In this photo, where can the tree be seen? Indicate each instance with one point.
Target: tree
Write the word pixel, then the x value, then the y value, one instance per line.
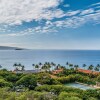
pixel 18 67
pixel 45 67
pixel 11 77
pixel 96 68
pixel 98 65
pixel 71 65
pixel 90 67
pixel 98 78
pixel 67 63
pixel 40 64
pixel 68 96
pixel 28 81
pixel 37 67
pixel 57 67
pixel 4 83
pixel 84 65
pixel 23 67
pixel 76 67
pixel 53 64
pixel 33 66
pixel 15 66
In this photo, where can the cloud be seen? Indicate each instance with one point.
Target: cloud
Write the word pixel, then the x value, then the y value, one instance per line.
pixel 15 12
pixel 72 13
pixel 87 11
pixel 47 15
pixel 66 5
pixel 95 4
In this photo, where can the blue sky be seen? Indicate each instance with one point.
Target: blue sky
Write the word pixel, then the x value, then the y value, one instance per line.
pixel 50 24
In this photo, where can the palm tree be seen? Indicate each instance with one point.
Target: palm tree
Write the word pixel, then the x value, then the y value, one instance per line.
pixel 37 67
pixel 45 67
pixel 84 65
pixel 15 66
pixel 33 66
pixel 90 67
pixel 46 63
pixel 23 68
pixel 58 66
pixel 40 64
pixel 67 63
pixel 19 66
pixel 53 65
pixel 48 67
pixel 98 65
pixel 71 65
pixel 76 67
pixel 96 68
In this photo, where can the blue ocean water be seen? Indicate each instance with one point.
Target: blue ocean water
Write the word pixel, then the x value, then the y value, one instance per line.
pixel 29 57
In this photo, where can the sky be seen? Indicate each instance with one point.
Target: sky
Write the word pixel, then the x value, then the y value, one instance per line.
pixel 50 24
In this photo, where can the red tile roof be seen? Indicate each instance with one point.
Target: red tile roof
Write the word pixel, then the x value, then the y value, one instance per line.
pixel 88 71
pixel 57 71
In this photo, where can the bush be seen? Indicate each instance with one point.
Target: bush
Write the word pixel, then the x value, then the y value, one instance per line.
pixel 68 96
pixel 4 83
pixel 28 81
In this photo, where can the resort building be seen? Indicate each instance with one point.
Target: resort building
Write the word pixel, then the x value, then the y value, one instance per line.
pixel 57 71
pixel 88 71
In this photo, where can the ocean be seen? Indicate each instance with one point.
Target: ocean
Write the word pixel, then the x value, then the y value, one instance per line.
pixel 29 57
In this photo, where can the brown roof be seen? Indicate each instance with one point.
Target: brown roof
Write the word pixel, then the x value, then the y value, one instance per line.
pixel 57 71
pixel 88 71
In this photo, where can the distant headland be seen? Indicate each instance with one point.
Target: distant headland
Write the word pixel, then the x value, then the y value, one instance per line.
pixel 10 48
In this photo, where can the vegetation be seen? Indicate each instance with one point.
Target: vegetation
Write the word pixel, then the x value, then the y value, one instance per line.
pixel 48 86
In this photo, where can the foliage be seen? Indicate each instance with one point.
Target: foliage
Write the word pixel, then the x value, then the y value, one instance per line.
pixel 28 81
pixel 45 78
pixel 4 83
pixel 49 88
pixel 69 96
pixel 98 78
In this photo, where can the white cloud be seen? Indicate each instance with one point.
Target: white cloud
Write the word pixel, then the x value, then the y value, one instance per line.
pixel 96 4
pixel 66 5
pixel 17 11
pixel 73 22
pixel 72 13
pixel 87 11
pixel 77 21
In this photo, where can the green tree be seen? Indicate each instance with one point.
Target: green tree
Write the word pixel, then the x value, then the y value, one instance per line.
pixel 76 67
pixel 33 66
pixel 4 83
pixel 84 65
pixel 96 68
pixel 44 78
pixel 90 67
pixel 98 78
pixel 28 81
pixel 68 96
pixel 23 67
pixel 71 65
